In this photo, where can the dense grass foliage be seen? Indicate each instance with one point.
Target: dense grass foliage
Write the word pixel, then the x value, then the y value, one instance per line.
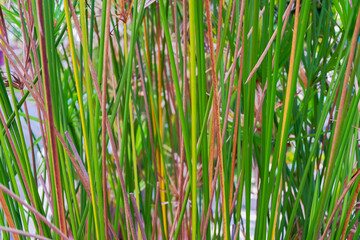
pixel 176 119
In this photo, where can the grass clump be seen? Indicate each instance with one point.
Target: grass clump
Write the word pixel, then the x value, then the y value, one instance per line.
pixel 177 119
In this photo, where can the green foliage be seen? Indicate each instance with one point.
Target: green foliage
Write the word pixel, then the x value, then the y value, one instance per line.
pixel 179 119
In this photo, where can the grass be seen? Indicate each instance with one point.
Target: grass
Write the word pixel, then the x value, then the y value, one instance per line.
pixel 177 119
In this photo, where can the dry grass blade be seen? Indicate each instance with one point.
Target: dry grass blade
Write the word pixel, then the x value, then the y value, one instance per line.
pixel 18 161
pixel 33 210
pixel 8 215
pixel 138 217
pixel 348 214
pixel 343 93
pixel 81 171
pixel 103 118
pixel 339 201
pixel 17 232
pixel 50 118
pixel 205 225
pixel 216 116
pixel 237 107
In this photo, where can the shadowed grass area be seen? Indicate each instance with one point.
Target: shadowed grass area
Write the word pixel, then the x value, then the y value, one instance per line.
pixel 175 119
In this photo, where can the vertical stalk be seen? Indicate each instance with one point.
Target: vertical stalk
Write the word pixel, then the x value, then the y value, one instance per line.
pixel 91 113
pixel 103 117
pixel 51 123
pixel 160 162
pixel 192 19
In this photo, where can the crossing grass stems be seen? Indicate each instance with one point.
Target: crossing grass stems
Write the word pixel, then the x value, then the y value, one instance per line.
pixel 179 119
